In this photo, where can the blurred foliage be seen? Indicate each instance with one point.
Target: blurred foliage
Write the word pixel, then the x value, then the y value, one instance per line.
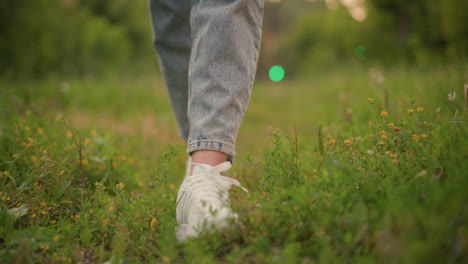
pixel 40 37
pixel 91 37
pixel 325 34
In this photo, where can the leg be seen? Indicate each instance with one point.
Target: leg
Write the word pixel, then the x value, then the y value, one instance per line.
pixel 171 26
pixel 225 49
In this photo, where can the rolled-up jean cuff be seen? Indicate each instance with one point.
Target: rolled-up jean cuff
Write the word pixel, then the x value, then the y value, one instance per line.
pixel 221 146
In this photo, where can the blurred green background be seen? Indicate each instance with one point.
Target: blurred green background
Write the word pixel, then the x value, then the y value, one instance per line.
pixel 43 38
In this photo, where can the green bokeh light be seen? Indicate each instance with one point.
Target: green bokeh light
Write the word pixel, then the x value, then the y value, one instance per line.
pixel 276 73
pixel 360 52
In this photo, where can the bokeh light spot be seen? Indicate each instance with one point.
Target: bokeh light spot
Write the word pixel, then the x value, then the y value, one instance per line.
pixel 276 73
pixel 360 52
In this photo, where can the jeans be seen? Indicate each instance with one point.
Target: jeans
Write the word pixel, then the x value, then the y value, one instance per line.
pixel 208 51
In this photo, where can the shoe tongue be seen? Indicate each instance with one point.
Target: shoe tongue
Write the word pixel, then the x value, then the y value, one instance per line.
pixel 201 168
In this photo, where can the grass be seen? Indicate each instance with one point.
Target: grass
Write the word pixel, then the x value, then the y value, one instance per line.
pixel 356 166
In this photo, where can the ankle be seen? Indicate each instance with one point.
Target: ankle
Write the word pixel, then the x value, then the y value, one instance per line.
pixel 209 157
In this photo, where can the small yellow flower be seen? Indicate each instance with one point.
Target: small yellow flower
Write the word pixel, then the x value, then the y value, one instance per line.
pixel 382 132
pixel 53 222
pixel 61 172
pixel 348 142
pixel 91 211
pixel 331 142
pixel 28 128
pixel 370 123
pixel 121 185
pixel 69 134
pixel 381 143
pixel 393 155
pixel 391 125
pixel 384 114
pixel 15 156
pixel 410 111
pixel 56 238
pixel 371 135
pixel 93 133
pixel 415 137
pixel 85 162
pixel 383 137
pixel 424 136
pixel 30 140
pixel 40 131
pixel 111 208
pixel 395 161
pixel 171 186
pixel 33 216
pixel 420 109
pixel 43 212
pixel 106 222
pixel 34 159
pixel 370 100
pixel 76 217
pixel 87 141
pixel 44 247
pixel 43 204
pixel 153 223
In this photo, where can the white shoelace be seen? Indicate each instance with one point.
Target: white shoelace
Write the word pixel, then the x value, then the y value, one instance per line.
pixel 207 179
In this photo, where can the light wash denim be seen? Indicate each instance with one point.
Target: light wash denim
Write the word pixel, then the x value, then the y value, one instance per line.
pixel 208 51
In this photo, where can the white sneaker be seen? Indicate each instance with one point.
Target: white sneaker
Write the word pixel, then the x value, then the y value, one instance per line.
pixel 203 200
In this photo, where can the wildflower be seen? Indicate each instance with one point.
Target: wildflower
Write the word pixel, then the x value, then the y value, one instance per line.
pixel 53 222
pixel 87 141
pixel 91 211
pixel 44 247
pixel 331 142
pixel 40 131
pixel 153 223
pixel 370 123
pixel 43 204
pixel 410 111
pixel 391 125
pixel 381 143
pixel 382 132
pixel 393 155
pixel 370 100
pixel 76 217
pixel 384 114
pixel 314 170
pixel 121 185
pixel 425 123
pixel 424 136
pixel 111 208
pixel 28 128
pixel 415 137
pixel 395 162
pixel 106 222
pixel 15 156
pixel 93 133
pixel 56 238
pixel 452 95
pixel 69 134
pixel 61 172
pixel 371 135
pixel 383 137
pixel 85 162
pixel 171 186
pixel 44 212
pixel 348 142
pixel 420 109
pixel 33 216
pixel 34 159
